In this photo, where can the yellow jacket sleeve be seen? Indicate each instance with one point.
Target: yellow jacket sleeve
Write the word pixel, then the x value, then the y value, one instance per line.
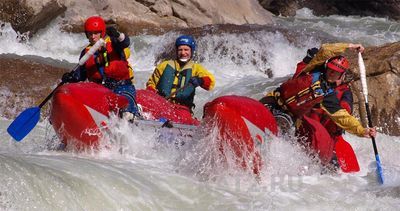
pixel 155 77
pixel 326 51
pixel 208 78
pixel 346 121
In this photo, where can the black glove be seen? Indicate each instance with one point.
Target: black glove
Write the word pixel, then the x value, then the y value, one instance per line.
pixel 68 77
pixel 196 81
pixel 112 32
pixel 310 54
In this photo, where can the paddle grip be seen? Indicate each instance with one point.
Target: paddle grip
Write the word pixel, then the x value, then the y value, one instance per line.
pixel 91 51
pixel 363 77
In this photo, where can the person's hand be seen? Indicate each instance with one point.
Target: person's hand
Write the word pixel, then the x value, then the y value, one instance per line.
pixel 370 132
pixel 196 81
pixel 357 47
pixel 112 32
pixel 68 77
pixel 310 55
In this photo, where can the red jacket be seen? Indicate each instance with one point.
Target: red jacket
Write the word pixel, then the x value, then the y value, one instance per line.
pixel 113 61
pixel 300 66
pixel 345 97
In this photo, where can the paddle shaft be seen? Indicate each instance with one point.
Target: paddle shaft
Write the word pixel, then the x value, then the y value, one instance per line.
pixel 363 79
pixel 82 61
pixel 49 96
pixel 52 92
pixel 371 125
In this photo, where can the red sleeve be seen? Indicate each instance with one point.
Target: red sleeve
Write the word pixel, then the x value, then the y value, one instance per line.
pixel 206 82
pixel 300 66
pixel 150 88
pixel 346 106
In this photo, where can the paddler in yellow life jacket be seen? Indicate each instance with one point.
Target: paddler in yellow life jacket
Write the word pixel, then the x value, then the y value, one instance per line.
pixel 177 79
pixel 109 65
pixel 315 87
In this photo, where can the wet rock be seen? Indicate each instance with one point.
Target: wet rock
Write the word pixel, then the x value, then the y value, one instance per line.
pixel 24 83
pixel 378 8
pixel 29 16
pixel 159 16
pixel 132 17
pixel 281 7
pixel 383 80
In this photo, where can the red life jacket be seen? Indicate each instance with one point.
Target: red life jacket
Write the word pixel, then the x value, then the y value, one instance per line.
pixel 300 66
pixel 299 95
pixel 115 66
pixel 320 115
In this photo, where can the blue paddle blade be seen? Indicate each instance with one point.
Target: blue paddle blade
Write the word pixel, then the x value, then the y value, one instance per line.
pixel 379 170
pixel 24 123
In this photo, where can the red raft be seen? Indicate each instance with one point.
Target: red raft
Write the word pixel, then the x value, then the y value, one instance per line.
pixel 79 110
pixel 243 125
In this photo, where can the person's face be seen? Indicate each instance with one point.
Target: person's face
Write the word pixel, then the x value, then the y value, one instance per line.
pixel 93 36
pixel 333 76
pixel 184 53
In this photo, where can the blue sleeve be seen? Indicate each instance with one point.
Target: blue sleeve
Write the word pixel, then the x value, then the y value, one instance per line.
pixel 315 76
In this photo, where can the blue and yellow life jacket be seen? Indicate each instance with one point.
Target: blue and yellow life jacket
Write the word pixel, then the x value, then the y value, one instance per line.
pixel 176 83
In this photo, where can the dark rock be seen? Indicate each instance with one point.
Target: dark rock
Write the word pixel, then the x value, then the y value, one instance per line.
pixel 280 7
pixel 375 8
pixel 15 13
pixel 25 19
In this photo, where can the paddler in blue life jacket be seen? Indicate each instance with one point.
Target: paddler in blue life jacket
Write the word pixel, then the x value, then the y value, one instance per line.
pixel 109 65
pixel 177 79
pixel 318 91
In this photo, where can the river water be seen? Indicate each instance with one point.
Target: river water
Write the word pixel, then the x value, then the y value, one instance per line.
pixel 139 171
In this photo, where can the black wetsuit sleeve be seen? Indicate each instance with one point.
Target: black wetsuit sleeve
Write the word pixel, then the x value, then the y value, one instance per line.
pixel 348 98
pixel 331 103
pixel 80 72
pixel 120 46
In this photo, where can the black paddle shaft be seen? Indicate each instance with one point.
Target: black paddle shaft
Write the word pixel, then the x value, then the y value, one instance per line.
pixel 370 125
pixel 52 92
pixel 50 95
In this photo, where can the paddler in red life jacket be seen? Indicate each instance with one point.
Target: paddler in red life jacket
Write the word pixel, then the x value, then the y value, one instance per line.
pixel 177 79
pixel 109 65
pixel 341 88
pixel 316 87
pixel 335 75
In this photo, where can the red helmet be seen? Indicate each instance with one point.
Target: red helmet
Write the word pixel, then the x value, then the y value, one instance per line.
pixel 338 63
pixel 95 24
